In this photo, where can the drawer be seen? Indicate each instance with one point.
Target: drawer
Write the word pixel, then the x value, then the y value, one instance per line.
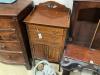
pixel 6 24
pixel 8 36
pixel 10 46
pixel 45 37
pixel 12 58
pixel 45 29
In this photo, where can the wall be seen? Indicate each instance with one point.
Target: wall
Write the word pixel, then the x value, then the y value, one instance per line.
pixel 67 3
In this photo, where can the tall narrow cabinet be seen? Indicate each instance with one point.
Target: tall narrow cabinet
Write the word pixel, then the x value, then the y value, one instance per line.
pixel 47 28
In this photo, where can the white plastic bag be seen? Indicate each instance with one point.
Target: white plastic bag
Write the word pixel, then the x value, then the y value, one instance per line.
pixel 47 70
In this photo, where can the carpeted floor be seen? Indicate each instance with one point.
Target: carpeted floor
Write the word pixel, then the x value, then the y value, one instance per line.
pixel 19 69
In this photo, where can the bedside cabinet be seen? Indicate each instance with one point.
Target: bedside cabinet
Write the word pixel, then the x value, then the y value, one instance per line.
pixel 47 27
pixel 12 43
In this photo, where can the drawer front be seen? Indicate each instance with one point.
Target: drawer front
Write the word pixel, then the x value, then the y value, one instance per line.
pixel 12 58
pixel 45 29
pixel 10 46
pixel 6 24
pixel 46 38
pixel 8 36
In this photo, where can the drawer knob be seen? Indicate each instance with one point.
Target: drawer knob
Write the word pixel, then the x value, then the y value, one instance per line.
pixel 9 57
pixel 2 46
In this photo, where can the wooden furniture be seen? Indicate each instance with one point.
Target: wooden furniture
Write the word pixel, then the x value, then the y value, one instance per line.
pixel 47 27
pixel 12 31
pixel 84 21
pixel 82 54
pixel 80 58
pixel 85 17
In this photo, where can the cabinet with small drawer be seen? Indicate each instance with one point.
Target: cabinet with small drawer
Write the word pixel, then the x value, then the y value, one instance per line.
pixel 47 33
pixel 12 44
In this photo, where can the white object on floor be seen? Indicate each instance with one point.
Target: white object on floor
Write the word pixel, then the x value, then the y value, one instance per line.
pixel 48 69
pixel 84 72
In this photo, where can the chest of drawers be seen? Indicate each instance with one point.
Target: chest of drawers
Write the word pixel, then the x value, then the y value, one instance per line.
pixel 12 46
pixel 47 29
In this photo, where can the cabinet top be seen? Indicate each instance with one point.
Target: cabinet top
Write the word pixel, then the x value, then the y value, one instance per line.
pixel 13 9
pixel 89 0
pixel 56 15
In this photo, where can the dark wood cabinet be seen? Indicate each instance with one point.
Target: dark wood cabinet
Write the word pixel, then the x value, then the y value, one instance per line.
pixel 47 28
pixel 12 32
pixel 84 20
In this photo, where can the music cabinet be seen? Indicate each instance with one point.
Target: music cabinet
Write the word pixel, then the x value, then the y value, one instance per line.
pixel 84 21
pixel 12 46
pixel 47 27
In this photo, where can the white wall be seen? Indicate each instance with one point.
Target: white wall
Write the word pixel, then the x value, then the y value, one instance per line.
pixel 67 3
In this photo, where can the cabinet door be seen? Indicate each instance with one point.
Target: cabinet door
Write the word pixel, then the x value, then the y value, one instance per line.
pixel 55 53
pixel 40 51
pixel 50 52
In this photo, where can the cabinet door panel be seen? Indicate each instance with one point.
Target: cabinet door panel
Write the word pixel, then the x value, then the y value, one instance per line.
pixel 49 52
pixel 54 53
pixel 40 51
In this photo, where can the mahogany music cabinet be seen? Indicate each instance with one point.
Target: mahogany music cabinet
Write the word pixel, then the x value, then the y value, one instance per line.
pixel 12 46
pixel 47 27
